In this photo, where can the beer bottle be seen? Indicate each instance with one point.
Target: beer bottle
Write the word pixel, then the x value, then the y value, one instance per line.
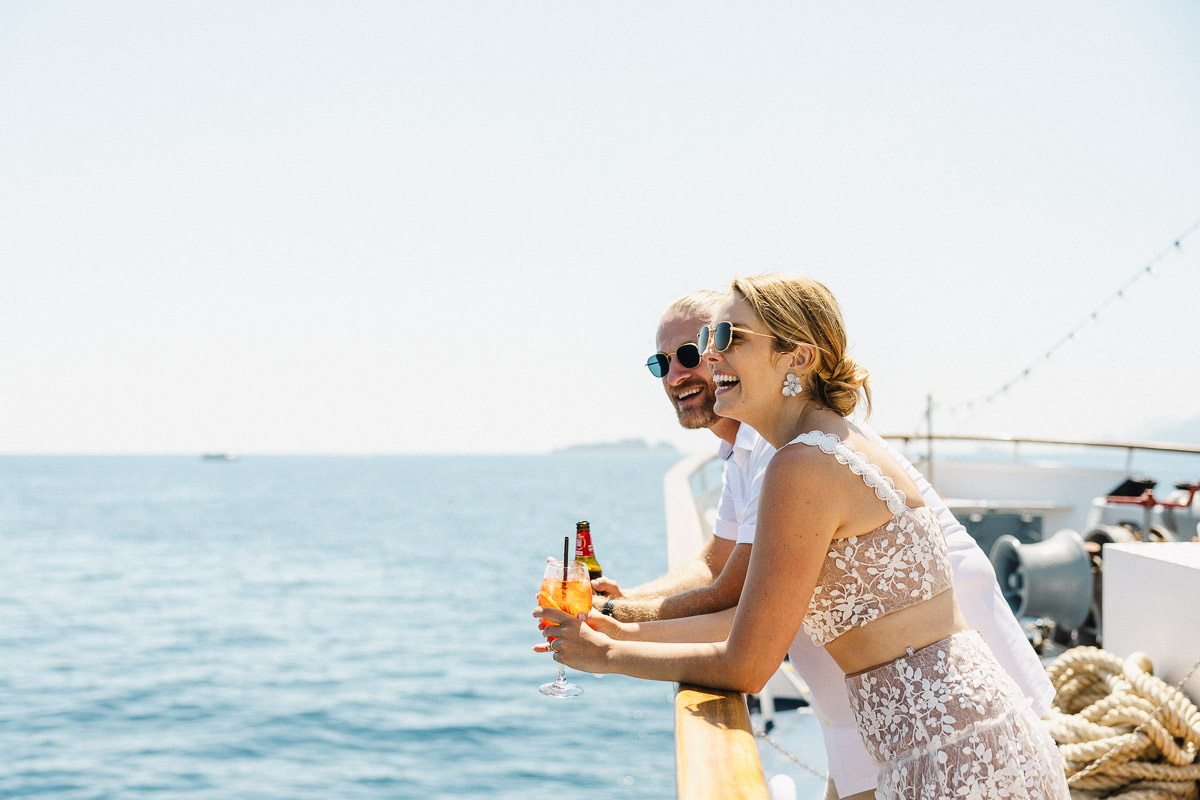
pixel 584 551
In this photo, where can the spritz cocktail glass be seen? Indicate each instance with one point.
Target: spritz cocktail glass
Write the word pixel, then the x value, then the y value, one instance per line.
pixel 567 587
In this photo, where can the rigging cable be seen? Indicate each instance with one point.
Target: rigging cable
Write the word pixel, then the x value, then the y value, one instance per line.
pixel 1146 271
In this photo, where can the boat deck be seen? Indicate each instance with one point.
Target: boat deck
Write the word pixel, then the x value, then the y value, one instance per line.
pixel 714 734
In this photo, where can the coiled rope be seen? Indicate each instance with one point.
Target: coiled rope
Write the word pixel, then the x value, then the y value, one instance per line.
pixel 1121 730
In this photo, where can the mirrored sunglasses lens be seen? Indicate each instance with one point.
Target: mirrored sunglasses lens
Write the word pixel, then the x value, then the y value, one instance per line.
pixel 688 355
pixel 702 339
pixel 723 337
pixel 657 364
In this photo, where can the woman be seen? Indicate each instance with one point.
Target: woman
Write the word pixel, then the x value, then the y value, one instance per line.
pixel 842 554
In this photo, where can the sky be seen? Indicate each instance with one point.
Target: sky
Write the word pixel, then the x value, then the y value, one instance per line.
pixel 450 227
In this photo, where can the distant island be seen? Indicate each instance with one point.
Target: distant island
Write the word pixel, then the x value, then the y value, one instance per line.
pixel 621 446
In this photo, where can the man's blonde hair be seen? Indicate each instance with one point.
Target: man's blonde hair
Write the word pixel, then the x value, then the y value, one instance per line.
pixel 703 302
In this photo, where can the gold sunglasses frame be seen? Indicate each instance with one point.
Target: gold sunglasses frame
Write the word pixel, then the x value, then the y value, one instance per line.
pixel 711 329
pixel 675 355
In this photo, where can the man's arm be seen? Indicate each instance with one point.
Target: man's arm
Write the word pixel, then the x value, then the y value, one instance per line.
pixel 700 571
pixel 737 514
pixel 722 593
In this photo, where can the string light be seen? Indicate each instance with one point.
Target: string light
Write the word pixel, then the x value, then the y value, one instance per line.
pixel 1093 317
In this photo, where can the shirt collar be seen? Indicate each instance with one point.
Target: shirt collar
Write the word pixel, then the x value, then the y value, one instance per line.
pixel 743 443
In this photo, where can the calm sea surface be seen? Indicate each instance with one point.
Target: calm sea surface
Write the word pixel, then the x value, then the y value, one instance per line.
pixel 314 627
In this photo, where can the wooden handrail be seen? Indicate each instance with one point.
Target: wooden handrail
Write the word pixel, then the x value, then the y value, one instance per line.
pixel 716 757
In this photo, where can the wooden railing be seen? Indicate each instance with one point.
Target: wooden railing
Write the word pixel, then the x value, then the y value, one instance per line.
pixel 716 757
pixel 715 753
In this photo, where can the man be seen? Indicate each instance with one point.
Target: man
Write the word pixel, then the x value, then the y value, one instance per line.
pixel 713 581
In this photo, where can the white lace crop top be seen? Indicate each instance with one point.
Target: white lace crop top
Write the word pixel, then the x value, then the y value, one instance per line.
pixel 900 563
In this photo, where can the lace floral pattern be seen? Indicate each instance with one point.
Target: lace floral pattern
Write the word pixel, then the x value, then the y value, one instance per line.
pixel 902 562
pixel 947 722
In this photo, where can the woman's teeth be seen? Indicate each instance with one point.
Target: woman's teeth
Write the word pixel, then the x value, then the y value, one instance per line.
pixel 724 382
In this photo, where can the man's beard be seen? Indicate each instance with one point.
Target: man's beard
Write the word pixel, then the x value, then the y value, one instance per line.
pixel 697 414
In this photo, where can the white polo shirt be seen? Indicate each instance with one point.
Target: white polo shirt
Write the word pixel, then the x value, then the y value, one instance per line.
pixel 975 588
pixel 741 480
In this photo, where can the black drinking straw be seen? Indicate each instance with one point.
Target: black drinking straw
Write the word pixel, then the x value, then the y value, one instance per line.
pixel 566 551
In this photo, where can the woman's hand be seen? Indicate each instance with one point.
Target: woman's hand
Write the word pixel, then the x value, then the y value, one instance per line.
pixel 610 627
pixel 574 644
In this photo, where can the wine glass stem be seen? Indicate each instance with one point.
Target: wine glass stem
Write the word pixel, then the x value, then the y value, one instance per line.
pixel 562 676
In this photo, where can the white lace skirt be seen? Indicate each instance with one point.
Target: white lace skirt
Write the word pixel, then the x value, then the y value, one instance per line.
pixel 946 721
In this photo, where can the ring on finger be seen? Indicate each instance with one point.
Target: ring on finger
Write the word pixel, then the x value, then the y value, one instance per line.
pixel 551 646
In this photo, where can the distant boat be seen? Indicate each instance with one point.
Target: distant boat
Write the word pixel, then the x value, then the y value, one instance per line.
pixel 219 457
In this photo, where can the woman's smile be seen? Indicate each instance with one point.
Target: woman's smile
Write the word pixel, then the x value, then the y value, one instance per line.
pixel 724 381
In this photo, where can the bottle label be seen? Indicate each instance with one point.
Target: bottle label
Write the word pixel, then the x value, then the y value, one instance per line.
pixel 583 545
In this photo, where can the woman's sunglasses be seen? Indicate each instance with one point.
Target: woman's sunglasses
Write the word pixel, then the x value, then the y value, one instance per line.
pixel 722 336
pixel 688 356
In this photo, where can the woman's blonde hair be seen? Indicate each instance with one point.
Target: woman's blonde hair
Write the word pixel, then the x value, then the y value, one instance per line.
pixel 799 310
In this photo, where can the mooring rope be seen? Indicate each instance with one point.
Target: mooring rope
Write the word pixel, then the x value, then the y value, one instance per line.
pixel 1121 730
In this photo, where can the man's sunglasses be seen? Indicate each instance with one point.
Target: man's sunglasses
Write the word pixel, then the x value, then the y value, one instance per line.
pixel 688 356
pixel 722 336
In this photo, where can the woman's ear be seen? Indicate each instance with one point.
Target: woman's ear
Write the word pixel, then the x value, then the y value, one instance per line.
pixel 803 358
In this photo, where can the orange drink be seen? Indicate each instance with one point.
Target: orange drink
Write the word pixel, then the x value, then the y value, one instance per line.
pixel 566 587
pixel 570 597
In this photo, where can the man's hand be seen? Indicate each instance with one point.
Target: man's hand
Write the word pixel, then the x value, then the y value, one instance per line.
pixel 605 586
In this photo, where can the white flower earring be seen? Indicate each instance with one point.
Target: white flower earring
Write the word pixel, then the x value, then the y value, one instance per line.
pixel 791 386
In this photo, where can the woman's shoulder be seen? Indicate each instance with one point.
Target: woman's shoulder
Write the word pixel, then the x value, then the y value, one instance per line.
pixel 803 483
pixel 830 439
pixel 842 458
pixel 813 468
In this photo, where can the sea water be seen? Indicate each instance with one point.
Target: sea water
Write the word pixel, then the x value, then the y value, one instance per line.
pixel 314 627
